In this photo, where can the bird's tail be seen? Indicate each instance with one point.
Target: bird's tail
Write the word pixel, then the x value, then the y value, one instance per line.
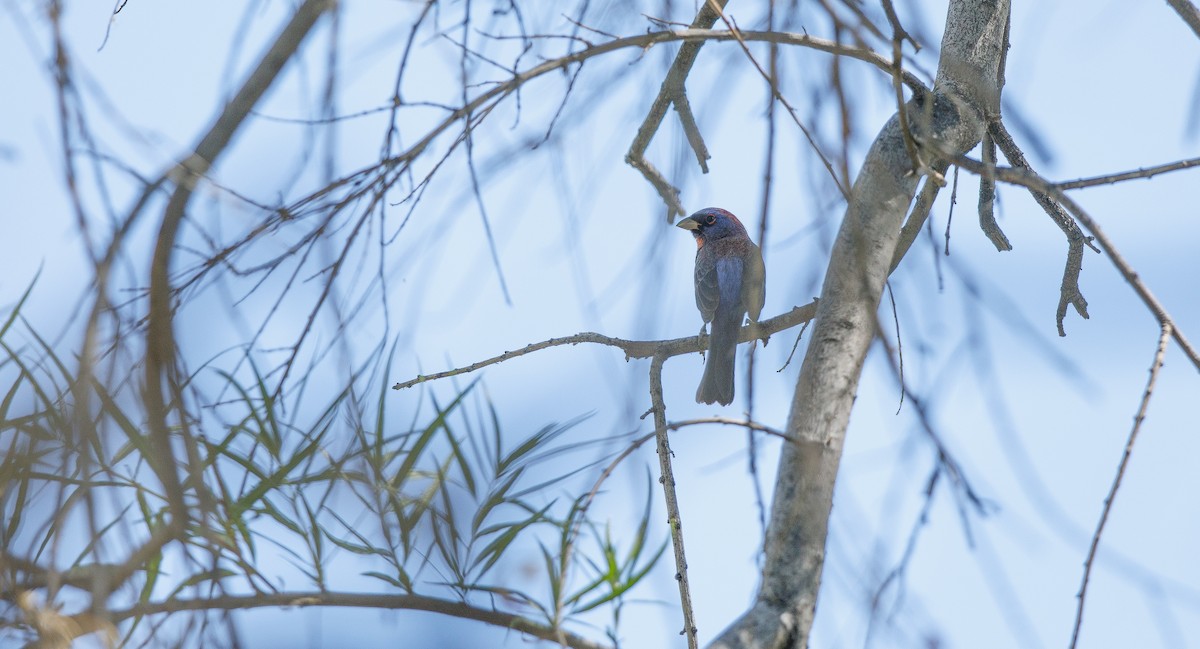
pixel 717 383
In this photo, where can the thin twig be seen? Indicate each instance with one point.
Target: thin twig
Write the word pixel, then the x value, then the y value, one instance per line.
pixel 795 346
pixel 763 228
pixel 737 34
pixel 950 215
pixel 946 461
pixel 1148 172
pixel 897 573
pixel 729 421
pixel 899 342
pixel 750 426
pixel 1155 366
pixel 920 213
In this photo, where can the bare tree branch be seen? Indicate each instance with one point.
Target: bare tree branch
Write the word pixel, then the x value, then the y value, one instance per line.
pixel 672 92
pixel 634 348
pixel 1155 366
pixel 667 479
pixel 1148 172
pixel 987 199
pixel 396 164
pixel 1069 293
pixel 845 325
pixel 1030 180
pixel 1188 12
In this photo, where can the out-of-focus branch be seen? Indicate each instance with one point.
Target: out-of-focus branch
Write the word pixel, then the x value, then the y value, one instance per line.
pixel 899 35
pixel 160 339
pixel 361 600
pixel 633 348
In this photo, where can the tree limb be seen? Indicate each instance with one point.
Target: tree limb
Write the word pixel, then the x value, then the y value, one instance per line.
pixel 633 348
pixel 965 92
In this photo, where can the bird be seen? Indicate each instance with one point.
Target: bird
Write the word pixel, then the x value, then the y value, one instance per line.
pixel 730 283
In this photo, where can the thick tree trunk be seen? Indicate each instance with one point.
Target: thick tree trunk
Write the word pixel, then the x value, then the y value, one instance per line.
pixel 965 93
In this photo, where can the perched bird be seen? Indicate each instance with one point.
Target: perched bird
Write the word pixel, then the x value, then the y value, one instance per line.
pixel 730 282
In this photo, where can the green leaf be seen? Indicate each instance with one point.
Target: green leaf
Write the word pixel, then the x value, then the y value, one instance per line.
pixel 201 578
pixel 12 315
pixel 418 447
pixel 398 583
pixel 495 549
pixel 274 480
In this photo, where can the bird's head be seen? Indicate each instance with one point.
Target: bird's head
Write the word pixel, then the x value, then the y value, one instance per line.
pixel 712 223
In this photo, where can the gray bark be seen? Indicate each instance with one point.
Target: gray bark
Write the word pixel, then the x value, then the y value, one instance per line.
pixel 966 92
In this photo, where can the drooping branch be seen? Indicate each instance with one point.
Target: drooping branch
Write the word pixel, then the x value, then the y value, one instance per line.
pixel 1027 178
pixel 987 202
pixel 1069 293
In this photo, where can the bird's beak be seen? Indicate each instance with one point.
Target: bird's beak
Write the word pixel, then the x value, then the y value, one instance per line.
pixel 688 224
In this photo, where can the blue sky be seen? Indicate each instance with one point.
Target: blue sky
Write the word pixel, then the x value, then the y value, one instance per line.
pixel 1038 422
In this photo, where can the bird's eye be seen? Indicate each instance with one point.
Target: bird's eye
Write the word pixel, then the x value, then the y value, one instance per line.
pixel 711 219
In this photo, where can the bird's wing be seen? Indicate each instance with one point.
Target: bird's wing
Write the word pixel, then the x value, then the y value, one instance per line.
pixel 730 271
pixel 754 283
pixel 708 294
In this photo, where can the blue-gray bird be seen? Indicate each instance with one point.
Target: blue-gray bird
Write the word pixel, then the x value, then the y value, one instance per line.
pixel 730 283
